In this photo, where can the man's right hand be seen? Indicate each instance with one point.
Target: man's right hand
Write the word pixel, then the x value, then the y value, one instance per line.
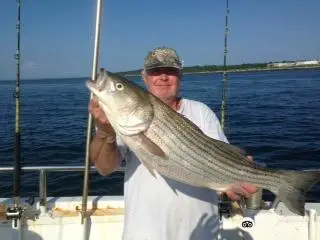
pixel 103 149
pixel 104 128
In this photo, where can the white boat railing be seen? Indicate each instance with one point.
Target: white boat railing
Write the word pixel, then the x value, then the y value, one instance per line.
pixel 43 170
pixel 284 225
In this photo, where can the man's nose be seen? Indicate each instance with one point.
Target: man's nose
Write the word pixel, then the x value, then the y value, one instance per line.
pixel 164 77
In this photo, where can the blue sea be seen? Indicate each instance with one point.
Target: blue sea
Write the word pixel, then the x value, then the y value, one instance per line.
pixel 275 116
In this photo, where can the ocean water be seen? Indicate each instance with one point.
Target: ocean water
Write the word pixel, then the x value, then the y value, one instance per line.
pixel 275 116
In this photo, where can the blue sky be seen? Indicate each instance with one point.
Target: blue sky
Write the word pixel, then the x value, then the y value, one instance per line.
pixel 57 35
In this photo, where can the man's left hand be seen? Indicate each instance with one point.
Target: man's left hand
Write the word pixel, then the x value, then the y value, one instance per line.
pixel 240 189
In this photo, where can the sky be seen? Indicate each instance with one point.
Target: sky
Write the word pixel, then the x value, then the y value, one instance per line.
pixel 57 35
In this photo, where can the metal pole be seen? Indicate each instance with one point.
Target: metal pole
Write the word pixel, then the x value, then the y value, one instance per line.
pixel 93 77
pixel 43 191
pixel 17 146
pixel 225 76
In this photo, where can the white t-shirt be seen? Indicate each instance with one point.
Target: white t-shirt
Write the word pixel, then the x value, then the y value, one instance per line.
pixel 154 210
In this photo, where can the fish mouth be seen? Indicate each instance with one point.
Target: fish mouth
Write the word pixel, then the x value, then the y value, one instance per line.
pixel 98 85
pixel 92 86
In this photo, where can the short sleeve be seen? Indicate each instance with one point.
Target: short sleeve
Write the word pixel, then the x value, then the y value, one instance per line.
pixel 211 125
pixel 122 148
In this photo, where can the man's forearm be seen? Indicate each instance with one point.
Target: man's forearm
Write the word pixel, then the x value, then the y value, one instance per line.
pixel 104 154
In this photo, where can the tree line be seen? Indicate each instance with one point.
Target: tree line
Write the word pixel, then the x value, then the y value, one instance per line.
pixel 218 68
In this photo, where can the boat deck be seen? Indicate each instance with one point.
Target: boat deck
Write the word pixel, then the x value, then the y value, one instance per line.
pixel 61 220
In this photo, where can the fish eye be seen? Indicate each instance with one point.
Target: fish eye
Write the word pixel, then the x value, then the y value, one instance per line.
pixel 119 86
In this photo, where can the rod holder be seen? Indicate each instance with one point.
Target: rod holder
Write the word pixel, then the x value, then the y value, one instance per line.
pixel 43 188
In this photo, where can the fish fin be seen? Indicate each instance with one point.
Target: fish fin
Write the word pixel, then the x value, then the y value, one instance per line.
pixel 148 145
pixel 294 187
pixel 237 149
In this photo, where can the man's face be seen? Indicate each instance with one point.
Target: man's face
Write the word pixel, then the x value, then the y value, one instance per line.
pixel 163 82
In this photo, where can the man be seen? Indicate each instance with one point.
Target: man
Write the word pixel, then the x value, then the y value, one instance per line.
pixel 157 207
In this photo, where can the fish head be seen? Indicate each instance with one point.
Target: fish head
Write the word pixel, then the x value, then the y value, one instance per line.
pixel 126 105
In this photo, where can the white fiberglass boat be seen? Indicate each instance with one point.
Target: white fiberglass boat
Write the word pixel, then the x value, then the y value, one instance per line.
pixel 59 218
pixel 101 217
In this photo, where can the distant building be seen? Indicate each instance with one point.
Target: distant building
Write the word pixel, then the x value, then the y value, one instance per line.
pixel 284 64
pixel 313 62
pixel 292 64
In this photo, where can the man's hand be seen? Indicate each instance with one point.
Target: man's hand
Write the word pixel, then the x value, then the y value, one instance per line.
pixel 104 127
pixel 239 190
pixel 97 112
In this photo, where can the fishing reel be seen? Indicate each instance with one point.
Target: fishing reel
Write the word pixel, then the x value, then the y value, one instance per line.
pixel 14 213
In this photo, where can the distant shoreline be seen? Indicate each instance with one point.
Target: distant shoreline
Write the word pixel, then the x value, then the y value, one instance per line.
pixel 271 69
pixel 186 72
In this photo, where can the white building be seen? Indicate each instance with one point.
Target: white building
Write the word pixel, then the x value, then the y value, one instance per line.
pixel 303 63
pixel 292 64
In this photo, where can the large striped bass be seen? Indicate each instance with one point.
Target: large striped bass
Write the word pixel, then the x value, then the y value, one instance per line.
pixel 167 142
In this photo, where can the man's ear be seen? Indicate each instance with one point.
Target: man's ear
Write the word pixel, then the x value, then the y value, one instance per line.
pixel 143 76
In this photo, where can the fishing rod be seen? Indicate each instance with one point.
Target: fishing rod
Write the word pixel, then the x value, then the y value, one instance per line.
pixel 14 213
pixel 93 78
pixel 255 200
pixel 17 162
pixel 225 205
pixel 224 113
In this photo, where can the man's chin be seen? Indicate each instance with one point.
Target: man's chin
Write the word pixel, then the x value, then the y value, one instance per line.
pixel 166 98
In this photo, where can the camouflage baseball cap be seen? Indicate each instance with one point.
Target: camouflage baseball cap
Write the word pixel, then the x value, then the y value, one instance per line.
pixel 162 57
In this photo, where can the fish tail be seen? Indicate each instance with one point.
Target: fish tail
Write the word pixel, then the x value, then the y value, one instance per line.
pixel 294 186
